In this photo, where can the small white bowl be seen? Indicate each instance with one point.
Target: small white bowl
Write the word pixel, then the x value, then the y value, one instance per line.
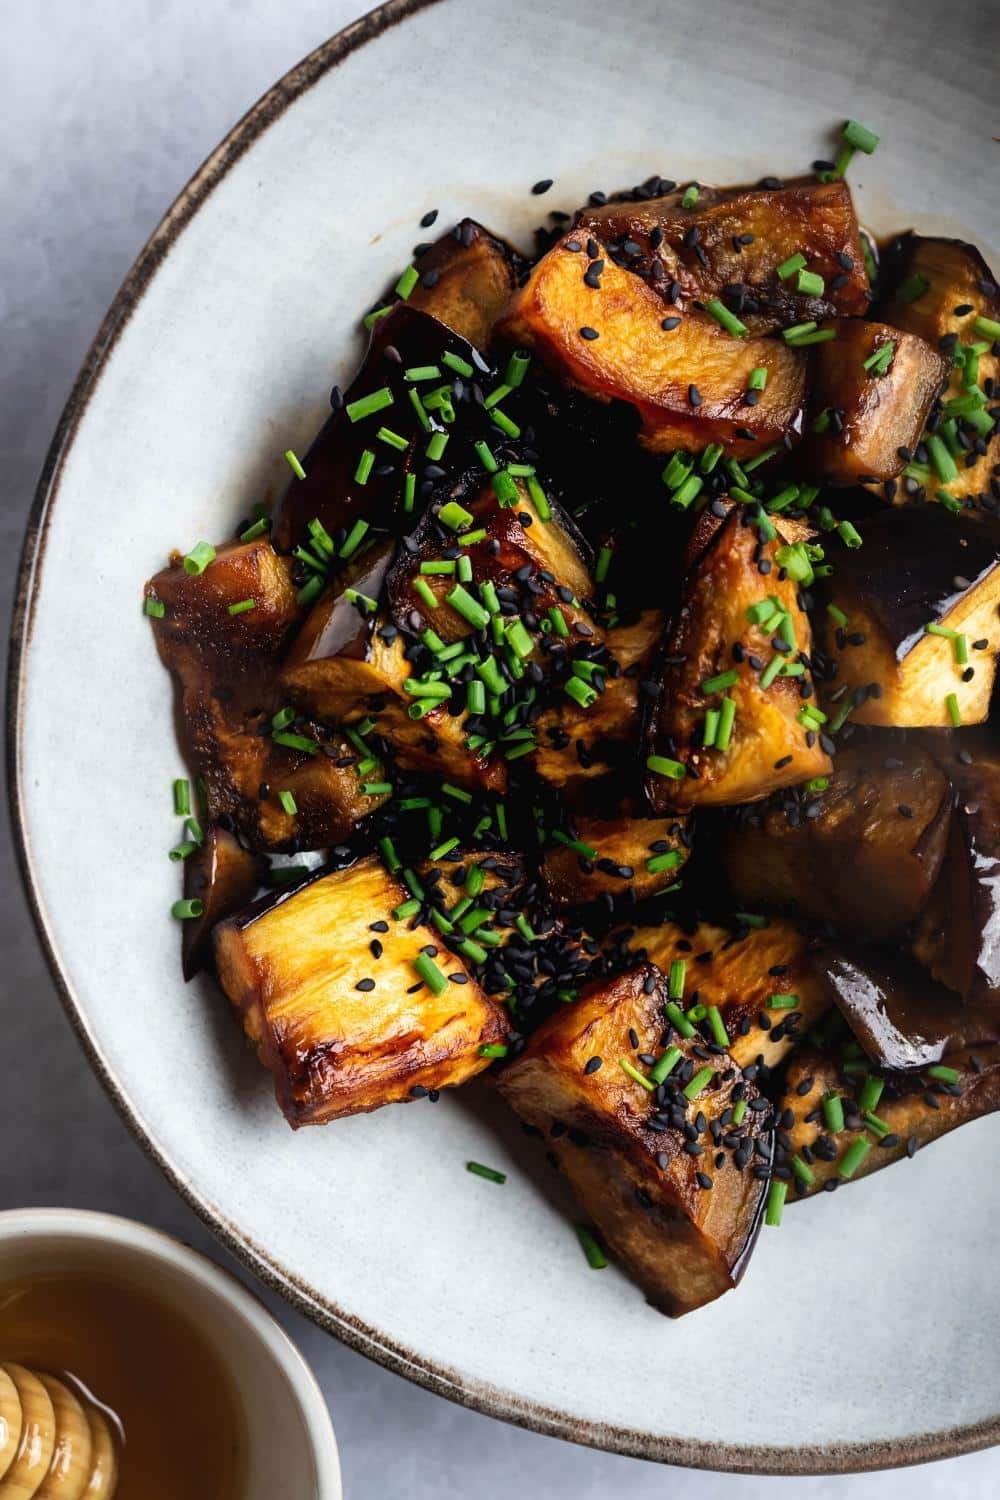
pixel 292 1450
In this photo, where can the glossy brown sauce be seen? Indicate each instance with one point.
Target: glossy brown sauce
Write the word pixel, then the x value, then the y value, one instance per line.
pixel 176 1412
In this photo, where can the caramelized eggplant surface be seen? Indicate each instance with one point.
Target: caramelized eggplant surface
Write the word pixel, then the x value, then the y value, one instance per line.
pixel 727 725
pixel 866 855
pixel 913 625
pixel 943 292
pixel 606 705
pixel 733 243
pixel 466 280
pixel 347 1005
pixel 761 982
pixel 910 1110
pixel 684 1234
pixel 872 391
pixel 687 383
pixel 284 781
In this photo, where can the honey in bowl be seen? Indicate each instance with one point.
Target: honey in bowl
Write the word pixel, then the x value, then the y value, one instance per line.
pixel 105 1369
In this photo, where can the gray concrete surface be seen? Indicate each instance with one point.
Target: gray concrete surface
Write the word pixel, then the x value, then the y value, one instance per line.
pixel 106 107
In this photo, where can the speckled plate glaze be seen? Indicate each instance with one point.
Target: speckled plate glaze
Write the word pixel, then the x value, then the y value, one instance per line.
pixel 866 1330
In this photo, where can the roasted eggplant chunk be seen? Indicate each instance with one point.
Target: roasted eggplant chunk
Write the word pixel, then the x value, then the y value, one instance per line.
pixel 223 876
pixel 742 236
pixel 913 1109
pixel 349 1008
pixel 866 861
pixel 939 288
pixel 682 1226
pixel 959 936
pixel 688 384
pixel 511 538
pixel 341 486
pixel 865 416
pixel 919 598
pixel 578 746
pixel 728 724
pixel 902 1019
pixel 350 659
pixel 466 280
pixel 226 666
pixel 624 859
pixel 762 981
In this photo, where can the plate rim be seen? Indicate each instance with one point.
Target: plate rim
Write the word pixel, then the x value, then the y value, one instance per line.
pixel 806 1459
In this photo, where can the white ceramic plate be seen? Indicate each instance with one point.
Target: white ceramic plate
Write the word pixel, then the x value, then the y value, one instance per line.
pixel 865 1332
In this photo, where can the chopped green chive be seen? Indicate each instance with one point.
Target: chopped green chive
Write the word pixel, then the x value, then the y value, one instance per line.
pixel 458 364
pixel 425 593
pixel 182 797
pixel 675 980
pixel 802 340
pixel 603 564
pixel 494 1049
pixel 849 535
pixel 288 803
pixel 880 360
pixel 185 910
pixel 717 1026
pixel 365 465
pixel 837 615
pixel 469 608
pixel 988 327
pixel 198 559
pixel 941 459
pixel 635 1075
pixel 870 1093
pixel 370 319
pixel 486 458
pixel 803 1171
pixel 944 1074
pixel 429 972
pixel 690 196
pixel 776 1195
pixel 686 492
pixel 853 1157
pixel 728 320
pixel 739 1110
pixel 698 1083
pixel 293 463
pixel 859 136
pixel 810 284
pixel 580 691
pixel 393 439
pixel 596 1259
pixel 954 712
pixel 366 406
pixel 517 368
pixel 501 420
pixel 478 1170
pixel 758 379
pixel 783 1002
pixel 454 516
pixel 720 683
pixel 295 742
pixel 539 499
pixel 833 1113
pixel 404 286
pixel 154 608
pixel 661 765
pixel 182 850
pixel 789 267
pixel 665 1064
pixel 659 863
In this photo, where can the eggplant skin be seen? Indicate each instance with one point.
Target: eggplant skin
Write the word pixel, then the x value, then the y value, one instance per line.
pixel 292 967
pixel 959 935
pixel 954 275
pixel 739 972
pixel 816 219
pixel 226 669
pixel 902 1019
pixel 905 1107
pixel 918 565
pixel 223 876
pixel 466 280
pixel 879 414
pixel 768 748
pixel 868 860
pixel 634 360
pixel 683 1244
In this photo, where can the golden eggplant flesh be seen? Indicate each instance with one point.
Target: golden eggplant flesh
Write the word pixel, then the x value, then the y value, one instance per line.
pixel 682 1227
pixel 728 726
pixel 466 280
pixel 687 384
pixel 618 860
pixel 332 991
pixel 913 1109
pixel 913 630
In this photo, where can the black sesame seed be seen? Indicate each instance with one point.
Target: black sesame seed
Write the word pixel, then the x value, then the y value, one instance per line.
pixel 542 186
pixel 586 332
